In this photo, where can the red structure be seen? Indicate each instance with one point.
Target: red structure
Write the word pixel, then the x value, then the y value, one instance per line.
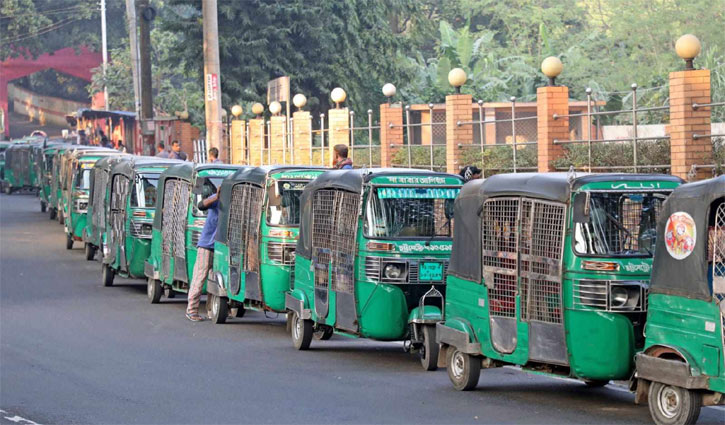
pixel 64 60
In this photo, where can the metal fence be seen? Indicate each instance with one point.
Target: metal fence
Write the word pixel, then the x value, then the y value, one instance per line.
pixel 718 145
pixel 636 153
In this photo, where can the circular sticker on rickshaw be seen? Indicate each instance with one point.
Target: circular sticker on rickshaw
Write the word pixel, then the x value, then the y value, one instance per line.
pixel 680 235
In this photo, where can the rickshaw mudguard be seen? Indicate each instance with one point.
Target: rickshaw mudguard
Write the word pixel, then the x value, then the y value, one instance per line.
pixel 428 314
pixel 600 345
pixel 671 372
pixel 150 271
pixel 275 284
pixel 458 333
pixel 295 300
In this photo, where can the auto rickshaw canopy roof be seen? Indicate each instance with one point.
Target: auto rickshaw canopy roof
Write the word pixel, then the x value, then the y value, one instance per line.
pixel 129 164
pixel 556 187
pixel 351 181
pixel 687 277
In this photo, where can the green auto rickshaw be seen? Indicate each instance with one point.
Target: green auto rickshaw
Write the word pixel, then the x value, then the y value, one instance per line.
pixel 372 255
pixel 177 225
pixel 46 177
pixel 129 215
pixel 94 233
pixel 80 170
pixel 549 271
pixel 4 145
pixel 259 218
pixel 68 171
pixel 18 172
pixel 682 366
pixel 54 184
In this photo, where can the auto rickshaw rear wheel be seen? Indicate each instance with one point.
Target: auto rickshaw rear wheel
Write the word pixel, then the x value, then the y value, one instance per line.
pixel 90 252
pixel 43 206
pixel 301 332
pixel 52 214
pixel 323 333
pixel 8 189
pixel 217 308
pixel 463 369
pixel 68 241
pixel 154 290
pixel 428 352
pixel 169 292
pixel 240 310
pixel 672 405
pixel 595 383
pixel 107 275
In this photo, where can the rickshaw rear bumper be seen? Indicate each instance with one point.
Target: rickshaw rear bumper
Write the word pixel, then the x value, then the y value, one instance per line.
pixel 670 372
pixel 453 337
pixel 298 306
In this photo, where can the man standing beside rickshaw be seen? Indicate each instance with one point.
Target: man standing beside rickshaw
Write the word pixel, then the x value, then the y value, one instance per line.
pixel 204 255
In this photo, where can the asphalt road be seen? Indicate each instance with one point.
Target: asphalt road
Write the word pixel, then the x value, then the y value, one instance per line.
pixel 73 351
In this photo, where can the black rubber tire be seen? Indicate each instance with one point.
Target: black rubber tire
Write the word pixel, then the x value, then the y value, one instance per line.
pixel 43 206
pixel 52 213
pixel 324 333
pixel 595 383
pixel 240 311
pixel 154 291
pixel 8 189
pixel 301 332
pixel 685 413
pixel 169 292
pixel 217 308
pixel 429 351
pixel 68 241
pixel 465 372
pixel 90 251
pixel 107 275
pixel 61 219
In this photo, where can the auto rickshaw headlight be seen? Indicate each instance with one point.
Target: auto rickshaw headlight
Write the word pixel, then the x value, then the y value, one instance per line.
pixel 619 296
pixel 393 271
pixel 625 297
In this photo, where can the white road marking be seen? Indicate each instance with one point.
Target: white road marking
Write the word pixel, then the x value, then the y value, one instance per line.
pixel 17 419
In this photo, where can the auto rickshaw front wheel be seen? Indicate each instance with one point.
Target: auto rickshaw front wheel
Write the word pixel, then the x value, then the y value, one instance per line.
pixel 43 206
pixel 672 405
pixel 68 241
pixel 154 290
pixel 217 308
pixel 428 352
pixel 107 275
pixel 323 333
pixel 463 369
pixel 51 215
pixel 8 189
pixel 302 331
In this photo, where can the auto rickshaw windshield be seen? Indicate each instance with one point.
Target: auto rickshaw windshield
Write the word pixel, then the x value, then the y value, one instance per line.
pixel 619 224
pixel 83 178
pixel 212 183
pixel 400 212
pixel 144 191
pixel 284 203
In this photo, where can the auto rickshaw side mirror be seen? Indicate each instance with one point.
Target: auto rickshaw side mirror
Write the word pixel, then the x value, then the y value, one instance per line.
pixel 275 197
pixel 581 207
pixel 449 208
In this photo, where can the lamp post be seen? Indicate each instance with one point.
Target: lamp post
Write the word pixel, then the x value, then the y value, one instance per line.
pixel 275 108
pixel 552 67
pixel 258 110
pixel 299 100
pixel 688 47
pixel 338 96
pixel 457 77
pixel 389 91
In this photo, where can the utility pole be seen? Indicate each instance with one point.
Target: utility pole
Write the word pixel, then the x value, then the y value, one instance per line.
pixel 212 89
pixel 105 53
pixel 147 108
pixel 132 34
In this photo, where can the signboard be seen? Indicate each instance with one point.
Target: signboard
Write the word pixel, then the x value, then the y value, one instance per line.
pixel 278 89
pixel 431 271
pixel 212 83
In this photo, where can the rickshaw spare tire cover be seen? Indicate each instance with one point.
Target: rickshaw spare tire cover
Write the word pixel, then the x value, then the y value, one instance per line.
pixel 234 281
pixel 680 235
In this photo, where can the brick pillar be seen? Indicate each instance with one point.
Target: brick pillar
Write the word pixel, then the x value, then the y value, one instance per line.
pixel 339 122
pixel 489 130
pixel 426 131
pixel 185 134
pixel 238 134
pixel 391 139
pixel 256 140
pixel 686 88
pixel 302 136
pixel 277 139
pixel 549 101
pixel 458 108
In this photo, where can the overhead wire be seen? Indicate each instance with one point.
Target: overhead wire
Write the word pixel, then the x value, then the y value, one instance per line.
pixel 44 30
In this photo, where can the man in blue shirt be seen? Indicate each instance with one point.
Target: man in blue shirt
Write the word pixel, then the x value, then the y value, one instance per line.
pixel 341 161
pixel 204 255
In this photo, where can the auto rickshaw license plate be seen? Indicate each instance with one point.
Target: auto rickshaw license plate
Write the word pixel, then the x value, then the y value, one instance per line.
pixel 431 271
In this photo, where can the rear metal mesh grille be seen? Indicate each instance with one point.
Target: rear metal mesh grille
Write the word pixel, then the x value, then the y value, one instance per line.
pixel 181 208
pixel 243 228
pixel 118 210
pixel 167 227
pixel 500 245
pixel 717 248
pixel 334 227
